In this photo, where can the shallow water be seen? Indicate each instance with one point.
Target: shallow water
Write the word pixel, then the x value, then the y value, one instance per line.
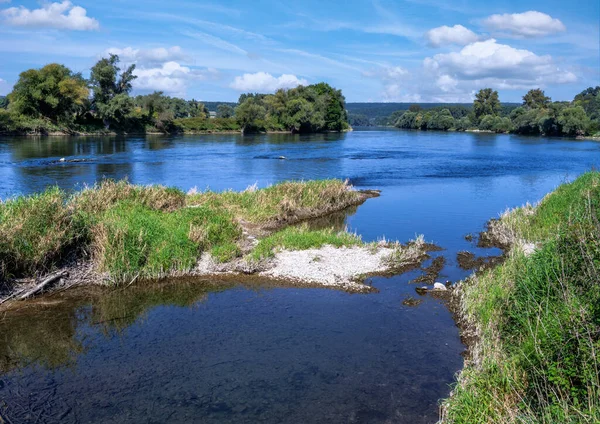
pixel 196 351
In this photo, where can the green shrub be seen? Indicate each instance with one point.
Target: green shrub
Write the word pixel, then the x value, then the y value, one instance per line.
pixel 34 232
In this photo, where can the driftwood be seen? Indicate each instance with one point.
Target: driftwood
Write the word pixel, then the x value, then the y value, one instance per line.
pixel 41 286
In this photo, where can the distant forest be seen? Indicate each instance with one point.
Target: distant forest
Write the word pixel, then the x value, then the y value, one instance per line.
pixel 54 99
pixel 386 114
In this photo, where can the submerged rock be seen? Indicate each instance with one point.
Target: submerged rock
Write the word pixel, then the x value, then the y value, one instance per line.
pixel 411 301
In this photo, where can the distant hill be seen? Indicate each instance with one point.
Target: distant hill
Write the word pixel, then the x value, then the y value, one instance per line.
pixel 366 114
pixel 212 106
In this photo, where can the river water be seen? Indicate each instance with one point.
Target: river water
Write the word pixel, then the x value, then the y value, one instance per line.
pixel 223 351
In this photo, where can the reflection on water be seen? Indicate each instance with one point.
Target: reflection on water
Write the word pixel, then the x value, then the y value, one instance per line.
pixel 222 352
pixel 194 351
pixel 44 331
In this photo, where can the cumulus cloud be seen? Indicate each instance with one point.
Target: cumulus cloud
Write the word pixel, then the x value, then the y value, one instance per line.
pixel 148 56
pixel 445 35
pixel 393 79
pixel 171 77
pixel 266 83
pixel 51 15
pixel 497 65
pixel 527 24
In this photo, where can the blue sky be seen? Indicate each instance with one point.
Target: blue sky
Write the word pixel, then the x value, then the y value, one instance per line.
pixel 408 51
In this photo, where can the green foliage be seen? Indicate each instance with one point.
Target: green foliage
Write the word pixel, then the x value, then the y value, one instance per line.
pixel 132 239
pixel 539 318
pixel 284 202
pixel 442 120
pixel 589 99
pixel 302 238
pixel 486 102
pixel 536 99
pixel 225 111
pixel 52 92
pixel 110 90
pixel 3 102
pixel 202 124
pixel 34 232
pixel 573 121
pixel 358 120
pixel 315 108
pixel 250 115
pixel 149 230
pixel 495 123
pixel 464 124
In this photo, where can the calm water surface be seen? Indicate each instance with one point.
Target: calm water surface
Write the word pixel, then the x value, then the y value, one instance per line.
pixel 199 351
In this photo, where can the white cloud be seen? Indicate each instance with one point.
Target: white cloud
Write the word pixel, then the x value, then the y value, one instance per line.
pixel 265 83
pixel 444 35
pixel 393 79
pixel 496 65
pixel 51 15
pixel 171 77
pixel 148 56
pixel 527 24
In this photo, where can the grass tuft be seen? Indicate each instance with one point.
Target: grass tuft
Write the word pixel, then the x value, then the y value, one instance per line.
pixel 302 238
pixel 34 232
pixel 283 203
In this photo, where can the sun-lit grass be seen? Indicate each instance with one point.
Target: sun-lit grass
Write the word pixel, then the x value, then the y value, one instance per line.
pixel 538 319
pixel 149 231
pixel 284 202
pixel 302 238
pixel 34 232
pixel 131 239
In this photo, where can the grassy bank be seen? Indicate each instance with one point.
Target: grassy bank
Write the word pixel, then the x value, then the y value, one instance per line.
pixel 133 231
pixel 536 318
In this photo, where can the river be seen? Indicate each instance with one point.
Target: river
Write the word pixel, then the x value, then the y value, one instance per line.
pixel 223 351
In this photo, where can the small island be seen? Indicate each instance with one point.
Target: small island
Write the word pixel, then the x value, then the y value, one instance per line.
pixel 116 233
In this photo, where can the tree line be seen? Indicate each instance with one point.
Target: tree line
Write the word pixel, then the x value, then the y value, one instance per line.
pixel 54 98
pixel 537 115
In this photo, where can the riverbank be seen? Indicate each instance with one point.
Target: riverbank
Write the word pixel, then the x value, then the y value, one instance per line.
pixel 533 322
pixel 116 233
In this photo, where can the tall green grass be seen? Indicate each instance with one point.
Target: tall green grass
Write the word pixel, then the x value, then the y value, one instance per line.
pixel 35 231
pixel 538 319
pixel 131 239
pixel 284 202
pixel 148 231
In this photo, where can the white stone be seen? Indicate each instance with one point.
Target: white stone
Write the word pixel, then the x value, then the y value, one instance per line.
pixel 439 286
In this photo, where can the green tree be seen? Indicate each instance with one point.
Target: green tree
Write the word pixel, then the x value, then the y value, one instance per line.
pixel 111 99
pixel 415 108
pixel 463 124
pixel 487 123
pixel 536 99
pixel 335 115
pixel 486 102
pixel 574 121
pixel 224 111
pixel 53 92
pixel 526 121
pixel 441 120
pixel 408 120
pixel 250 114
pixel 3 102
